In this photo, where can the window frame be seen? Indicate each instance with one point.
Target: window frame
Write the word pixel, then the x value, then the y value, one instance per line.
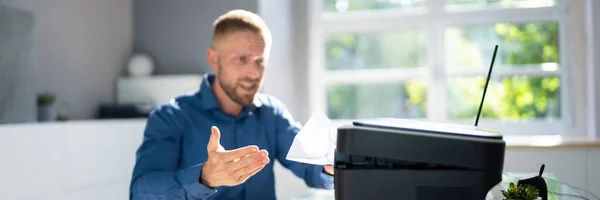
pixel 433 19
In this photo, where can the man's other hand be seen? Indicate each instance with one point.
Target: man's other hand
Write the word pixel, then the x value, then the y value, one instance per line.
pixel 230 168
pixel 328 169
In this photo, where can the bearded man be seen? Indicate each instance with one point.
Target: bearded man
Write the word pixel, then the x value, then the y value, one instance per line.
pixel 220 142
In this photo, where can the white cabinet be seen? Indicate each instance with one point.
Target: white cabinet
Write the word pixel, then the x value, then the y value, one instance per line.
pixel 71 160
pixel 156 90
pixel 593 170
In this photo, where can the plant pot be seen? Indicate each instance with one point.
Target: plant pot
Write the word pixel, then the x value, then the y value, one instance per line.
pixel 46 113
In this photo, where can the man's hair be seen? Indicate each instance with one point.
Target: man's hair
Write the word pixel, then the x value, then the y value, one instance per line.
pixel 240 20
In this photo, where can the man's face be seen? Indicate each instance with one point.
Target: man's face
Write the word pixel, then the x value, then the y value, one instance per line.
pixel 239 60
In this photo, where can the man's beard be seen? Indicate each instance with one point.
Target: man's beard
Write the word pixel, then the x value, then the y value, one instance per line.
pixel 230 90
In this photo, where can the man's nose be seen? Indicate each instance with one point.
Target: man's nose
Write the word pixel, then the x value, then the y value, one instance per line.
pixel 253 71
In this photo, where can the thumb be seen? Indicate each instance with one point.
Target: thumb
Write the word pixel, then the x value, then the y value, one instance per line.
pixel 214 140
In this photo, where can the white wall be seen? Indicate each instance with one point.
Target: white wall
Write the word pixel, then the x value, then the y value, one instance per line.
pixel 573 165
pixel 279 79
pixel 288 64
pixel 287 73
pixel 177 33
pixel 80 48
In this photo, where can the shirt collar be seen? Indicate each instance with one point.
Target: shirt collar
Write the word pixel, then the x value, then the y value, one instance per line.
pixel 209 100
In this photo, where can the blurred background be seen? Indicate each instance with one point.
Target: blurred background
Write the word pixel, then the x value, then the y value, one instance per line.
pixel 78 78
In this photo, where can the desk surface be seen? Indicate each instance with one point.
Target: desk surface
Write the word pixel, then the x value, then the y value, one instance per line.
pixel 494 194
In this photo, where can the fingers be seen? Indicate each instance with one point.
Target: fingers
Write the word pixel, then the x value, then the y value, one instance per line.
pixel 250 168
pixel 244 162
pixel 239 152
pixel 329 169
pixel 214 140
pixel 249 174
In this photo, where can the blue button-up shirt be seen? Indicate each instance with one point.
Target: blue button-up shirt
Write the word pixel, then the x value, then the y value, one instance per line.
pixel 170 159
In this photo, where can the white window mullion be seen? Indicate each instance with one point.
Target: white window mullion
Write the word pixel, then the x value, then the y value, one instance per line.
pixel 372 23
pixel 508 127
pixel 317 92
pixel 365 76
pixel 497 6
pixel 566 105
pixel 501 15
pixel 373 14
pixel 436 89
pixel 501 71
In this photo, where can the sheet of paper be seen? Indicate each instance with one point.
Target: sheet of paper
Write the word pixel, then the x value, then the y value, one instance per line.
pixel 315 143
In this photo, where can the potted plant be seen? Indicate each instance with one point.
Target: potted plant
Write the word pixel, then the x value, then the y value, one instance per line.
pixel 46 107
pixel 520 192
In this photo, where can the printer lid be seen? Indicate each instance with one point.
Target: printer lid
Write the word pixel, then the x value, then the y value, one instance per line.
pixel 428 127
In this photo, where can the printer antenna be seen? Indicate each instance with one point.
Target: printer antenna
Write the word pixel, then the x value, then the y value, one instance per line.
pixel 486 85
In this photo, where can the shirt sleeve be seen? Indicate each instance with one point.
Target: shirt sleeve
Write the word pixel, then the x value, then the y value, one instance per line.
pixel 155 175
pixel 287 128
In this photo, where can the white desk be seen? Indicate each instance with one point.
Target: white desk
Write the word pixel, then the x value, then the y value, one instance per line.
pixel 494 194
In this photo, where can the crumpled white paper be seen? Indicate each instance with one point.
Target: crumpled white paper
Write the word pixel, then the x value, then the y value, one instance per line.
pixel 315 143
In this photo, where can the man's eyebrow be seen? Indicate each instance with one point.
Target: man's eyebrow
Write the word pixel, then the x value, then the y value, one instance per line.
pixel 262 57
pixel 236 53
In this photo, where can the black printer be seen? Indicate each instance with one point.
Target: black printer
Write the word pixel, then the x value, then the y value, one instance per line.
pixel 412 159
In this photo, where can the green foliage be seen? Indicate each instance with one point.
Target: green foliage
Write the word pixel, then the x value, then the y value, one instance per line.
pixel 529 43
pixel 355 101
pixel 370 50
pixel 520 192
pixel 516 97
pixel 44 99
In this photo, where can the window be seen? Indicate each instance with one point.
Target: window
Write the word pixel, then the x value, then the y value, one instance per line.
pixel 428 59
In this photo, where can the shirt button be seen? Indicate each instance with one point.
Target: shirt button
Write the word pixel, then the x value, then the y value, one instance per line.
pixel 250 114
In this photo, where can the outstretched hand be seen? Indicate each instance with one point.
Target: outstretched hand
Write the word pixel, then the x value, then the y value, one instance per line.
pixel 233 167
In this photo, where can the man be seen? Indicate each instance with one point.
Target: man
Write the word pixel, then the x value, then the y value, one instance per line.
pixel 206 145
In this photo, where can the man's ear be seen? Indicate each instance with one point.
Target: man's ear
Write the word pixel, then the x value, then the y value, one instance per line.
pixel 211 55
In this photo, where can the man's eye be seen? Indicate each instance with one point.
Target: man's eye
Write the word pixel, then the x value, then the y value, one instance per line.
pixel 260 62
pixel 241 59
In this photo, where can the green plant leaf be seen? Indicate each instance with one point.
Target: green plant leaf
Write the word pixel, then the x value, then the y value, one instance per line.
pixel 531 192
pixel 520 192
pixel 45 99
